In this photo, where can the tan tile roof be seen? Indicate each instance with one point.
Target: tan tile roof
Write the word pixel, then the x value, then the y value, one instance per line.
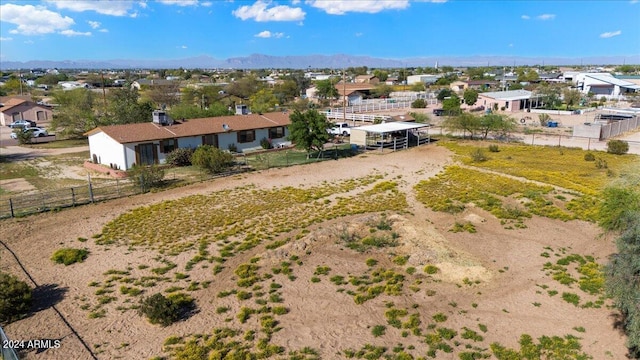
pixel 11 103
pixel 149 131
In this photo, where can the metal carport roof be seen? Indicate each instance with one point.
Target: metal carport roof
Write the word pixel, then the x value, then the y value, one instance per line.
pixel 390 127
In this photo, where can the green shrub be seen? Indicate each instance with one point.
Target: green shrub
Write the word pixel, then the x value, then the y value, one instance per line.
pixel 617 147
pixel 494 148
pixel 180 157
pixel 419 104
pixel 166 310
pixel 478 155
pixel 146 177
pixel 378 330
pixel 265 143
pixel 211 159
pixel 15 298
pixel 431 269
pixel 69 256
pixel 589 157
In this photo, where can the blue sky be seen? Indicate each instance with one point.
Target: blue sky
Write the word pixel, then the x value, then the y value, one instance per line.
pixel 174 29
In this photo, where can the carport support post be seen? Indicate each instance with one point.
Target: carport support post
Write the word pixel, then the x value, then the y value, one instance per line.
pixel 11 207
pixel 73 197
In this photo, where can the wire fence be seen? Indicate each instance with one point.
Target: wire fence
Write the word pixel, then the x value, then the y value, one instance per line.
pixel 20 205
pixel 26 204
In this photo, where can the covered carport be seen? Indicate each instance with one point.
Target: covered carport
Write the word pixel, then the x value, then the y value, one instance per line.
pixel 392 135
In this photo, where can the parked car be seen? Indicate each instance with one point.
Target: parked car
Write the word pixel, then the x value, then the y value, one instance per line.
pixel 35 132
pixel 341 128
pixel 22 124
pixel 438 112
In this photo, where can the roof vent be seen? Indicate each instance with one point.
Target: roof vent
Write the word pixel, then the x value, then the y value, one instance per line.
pixel 225 127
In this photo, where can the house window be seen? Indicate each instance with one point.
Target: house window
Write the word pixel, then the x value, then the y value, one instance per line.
pixel 41 115
pixel 246 136
pixel 167 146
pixel 276 132
pixel 211 139
pixel 506 104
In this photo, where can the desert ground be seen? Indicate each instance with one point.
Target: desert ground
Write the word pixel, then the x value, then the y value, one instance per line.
pixel 492 281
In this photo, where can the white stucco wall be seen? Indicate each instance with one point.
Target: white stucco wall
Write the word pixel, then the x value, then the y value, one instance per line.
pixel 108 151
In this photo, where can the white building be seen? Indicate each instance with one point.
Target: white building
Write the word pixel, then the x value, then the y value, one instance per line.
pixel 425 79
pixel 122 146
pixel 604 84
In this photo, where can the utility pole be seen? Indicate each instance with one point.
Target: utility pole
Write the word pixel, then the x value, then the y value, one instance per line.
pixel 344 95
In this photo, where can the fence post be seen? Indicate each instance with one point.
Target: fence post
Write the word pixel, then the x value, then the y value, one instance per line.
pixel 141 184
pixel 73 197
pixel 90 189
pixel 533 137
pixel 559 138
pixel 11 207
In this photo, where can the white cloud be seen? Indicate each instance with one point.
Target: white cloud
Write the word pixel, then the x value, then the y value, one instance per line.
pixel 33 20
pixel 268 34
pixel 105 7
pixel 546 17
pixel 94 24
pixel 103 30
pixel 75 33
pixel 610 34
pixel 341 7
pixel 179 2
pixel 6 38
pixel 358 34
pixel 206 4
pixel 525 17
pixel 260 12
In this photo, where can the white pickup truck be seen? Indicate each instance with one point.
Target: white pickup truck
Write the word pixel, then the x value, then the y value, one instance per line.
pixel 341 128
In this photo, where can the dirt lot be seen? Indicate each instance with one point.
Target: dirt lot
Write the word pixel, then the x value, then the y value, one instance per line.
pixel 493 277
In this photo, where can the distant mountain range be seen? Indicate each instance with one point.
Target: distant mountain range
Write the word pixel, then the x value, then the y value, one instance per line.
pixel 338 61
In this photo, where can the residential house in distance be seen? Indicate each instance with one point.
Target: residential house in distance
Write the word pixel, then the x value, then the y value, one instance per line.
pixel 122 146
pixel 367 79
pixel 604 84
pixel 478 85
pixel 15 108
pixel 512 100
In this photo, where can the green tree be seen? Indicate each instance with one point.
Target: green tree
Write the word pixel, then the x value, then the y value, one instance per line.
pixel 445 93
pixel 421 118
pixel 244 87
pixel 451 105
pixel 286 91
pixel 620 211
pixel 15 298
pixel 465 122
pixel 470 96
pixel 550 95
pixel 75 114
pixel 185 111
pixel 308 130
pixel 382 90
pixel 13 86
pixel 125 107
pixel 263 101
pixel 382 75
pixel 496 124
pixel 211 159
pixel 571 97
pixel 326 89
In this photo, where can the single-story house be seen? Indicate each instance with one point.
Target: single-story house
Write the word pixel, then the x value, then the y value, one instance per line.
pixel 367 79
pixel 512 100
pixel 604 84
pixel 20 109
pixel 480 85
pixel 122 146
